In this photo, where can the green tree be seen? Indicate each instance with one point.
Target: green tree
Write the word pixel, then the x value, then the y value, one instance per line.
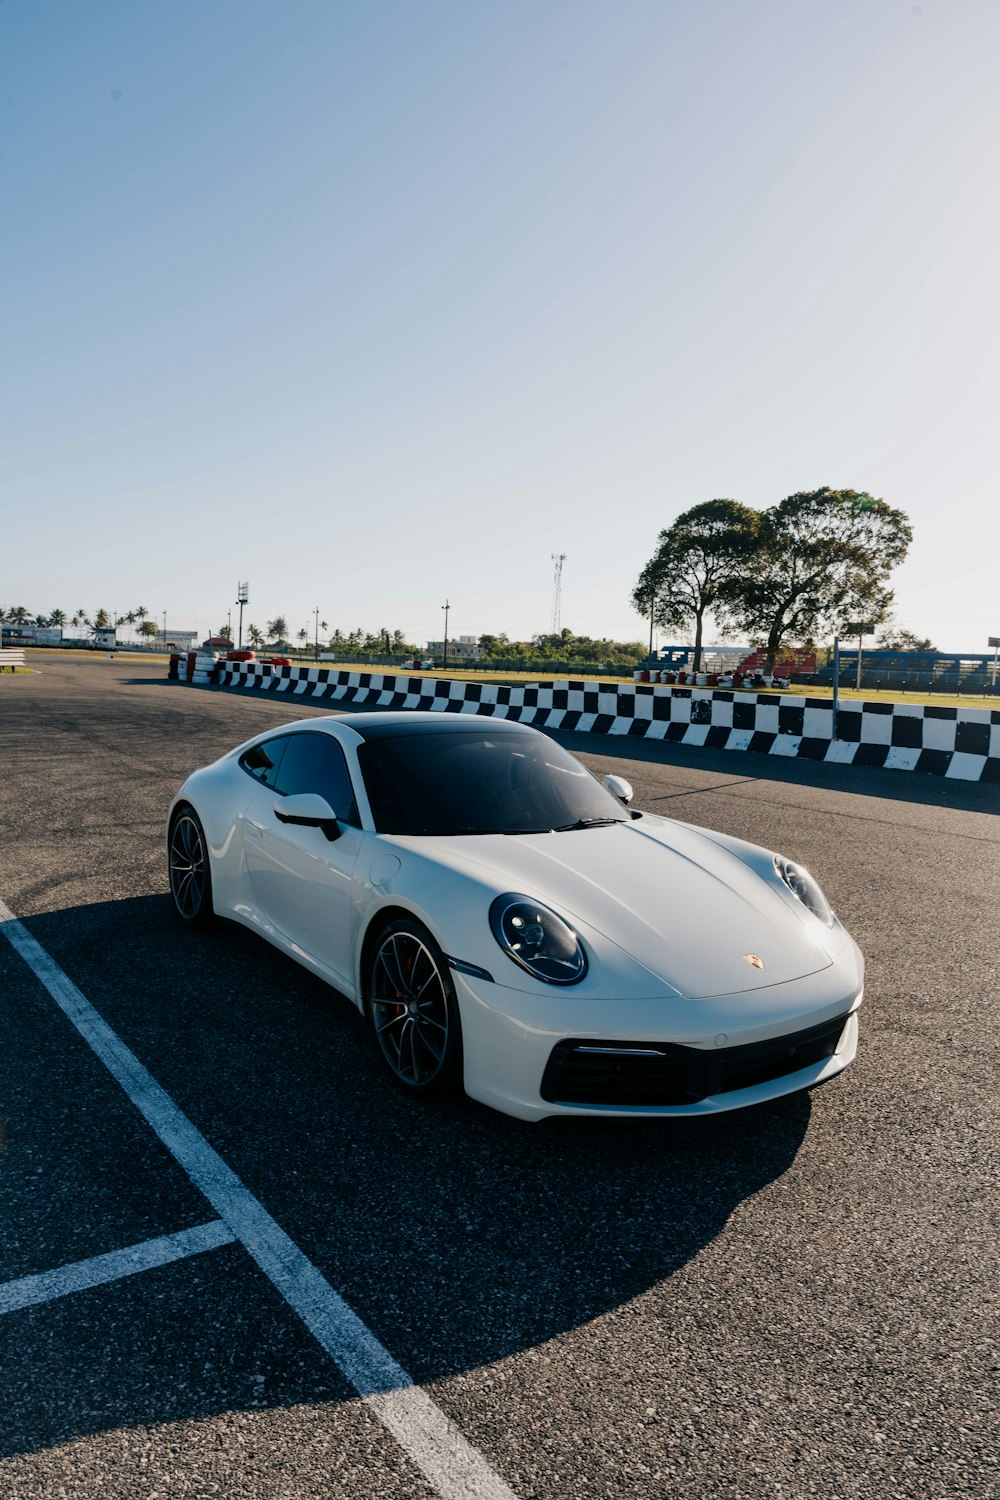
pixel 696 561
pixel 149 629
pixel 18 615
pixel 255 636
pixel 303 638
pixel 277 630
pixel 102 620
pixel 894 637
pixel 822 557
pixel 491 646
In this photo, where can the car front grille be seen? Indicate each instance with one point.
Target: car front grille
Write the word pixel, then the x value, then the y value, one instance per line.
pixel 589 1071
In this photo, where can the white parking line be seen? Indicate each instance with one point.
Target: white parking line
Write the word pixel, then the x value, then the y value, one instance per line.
pixel 28 1291
pixel 455 1469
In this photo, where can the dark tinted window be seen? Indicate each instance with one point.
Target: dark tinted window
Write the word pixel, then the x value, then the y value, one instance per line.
pixel 476 782
pixel 262 761
pixel 315 763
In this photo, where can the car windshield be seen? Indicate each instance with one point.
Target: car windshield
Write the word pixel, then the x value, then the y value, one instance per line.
pixel 468 782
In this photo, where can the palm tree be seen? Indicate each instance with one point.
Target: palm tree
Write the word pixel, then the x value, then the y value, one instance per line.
pixel 255 636
pixel 277 629
pixel 303 638
pixel 57 617
pixel 18 615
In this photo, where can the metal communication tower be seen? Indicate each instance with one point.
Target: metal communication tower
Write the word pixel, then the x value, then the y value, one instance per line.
pixel 558 558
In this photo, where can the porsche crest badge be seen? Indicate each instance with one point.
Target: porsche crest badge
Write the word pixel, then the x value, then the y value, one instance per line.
pixel 754 961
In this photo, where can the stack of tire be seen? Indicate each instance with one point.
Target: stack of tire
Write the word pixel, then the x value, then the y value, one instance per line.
pixel 201 666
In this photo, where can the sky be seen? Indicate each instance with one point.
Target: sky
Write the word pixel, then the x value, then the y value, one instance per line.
pixel 378 304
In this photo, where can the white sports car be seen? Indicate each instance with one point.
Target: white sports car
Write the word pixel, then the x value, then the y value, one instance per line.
pixel 505 922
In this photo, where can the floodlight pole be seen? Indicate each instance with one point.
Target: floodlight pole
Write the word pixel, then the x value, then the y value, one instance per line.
pixel 836 681
pixel 994 641
pixel 316 616
pixel 446 606
pixel 242 597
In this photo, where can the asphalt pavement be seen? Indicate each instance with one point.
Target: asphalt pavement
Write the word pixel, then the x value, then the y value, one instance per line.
pixel 798 1300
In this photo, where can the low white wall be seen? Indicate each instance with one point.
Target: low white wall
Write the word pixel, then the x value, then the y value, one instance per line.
pixel 960 743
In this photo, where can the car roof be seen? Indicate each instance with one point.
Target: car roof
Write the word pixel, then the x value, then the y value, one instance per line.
pixel 393 724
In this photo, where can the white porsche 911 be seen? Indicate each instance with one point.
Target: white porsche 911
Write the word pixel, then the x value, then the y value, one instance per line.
pixel 505 922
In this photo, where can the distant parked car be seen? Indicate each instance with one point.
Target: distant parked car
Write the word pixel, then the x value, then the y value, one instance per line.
pixel 506 923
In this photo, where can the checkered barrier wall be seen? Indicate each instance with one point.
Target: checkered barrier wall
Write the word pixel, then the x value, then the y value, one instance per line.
pixel 960 743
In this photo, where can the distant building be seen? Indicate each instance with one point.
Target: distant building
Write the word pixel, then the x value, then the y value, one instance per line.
pixel 176 640
pixel 460 648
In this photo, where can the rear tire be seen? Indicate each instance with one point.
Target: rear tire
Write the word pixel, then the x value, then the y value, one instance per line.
pixel 411 1010
pixel 189 869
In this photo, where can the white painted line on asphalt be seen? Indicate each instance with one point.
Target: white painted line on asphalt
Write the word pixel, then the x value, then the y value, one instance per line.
pixel 455 1469
pixel 99 1270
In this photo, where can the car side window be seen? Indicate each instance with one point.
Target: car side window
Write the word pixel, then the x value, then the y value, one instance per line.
pixel 315 763
pixel 262 761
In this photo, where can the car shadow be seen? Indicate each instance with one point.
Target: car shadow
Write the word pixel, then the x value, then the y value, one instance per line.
pixel 459 1236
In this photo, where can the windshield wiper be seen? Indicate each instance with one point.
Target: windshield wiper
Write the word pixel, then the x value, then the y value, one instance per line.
pixel 587 823
pixel 510 832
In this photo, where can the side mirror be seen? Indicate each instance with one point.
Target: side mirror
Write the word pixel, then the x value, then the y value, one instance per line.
pixel 308 810
pixel 619 787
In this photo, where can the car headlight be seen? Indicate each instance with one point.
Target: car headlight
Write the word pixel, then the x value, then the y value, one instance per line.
pixel 536 939
pixel 804 887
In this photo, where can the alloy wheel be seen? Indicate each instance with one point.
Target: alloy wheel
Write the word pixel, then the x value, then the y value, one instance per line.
pixel 188 867
pixel 409 1009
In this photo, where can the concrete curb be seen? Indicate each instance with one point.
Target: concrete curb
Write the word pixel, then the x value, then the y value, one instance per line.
pixel 963 744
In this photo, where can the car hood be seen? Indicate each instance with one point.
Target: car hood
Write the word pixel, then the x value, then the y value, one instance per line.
pixel 688 910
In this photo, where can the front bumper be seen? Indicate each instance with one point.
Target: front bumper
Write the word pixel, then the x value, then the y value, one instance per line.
pixel 537 1056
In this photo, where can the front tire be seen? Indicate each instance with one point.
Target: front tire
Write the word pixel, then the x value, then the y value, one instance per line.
pixel 189 870
pixel 411 1010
